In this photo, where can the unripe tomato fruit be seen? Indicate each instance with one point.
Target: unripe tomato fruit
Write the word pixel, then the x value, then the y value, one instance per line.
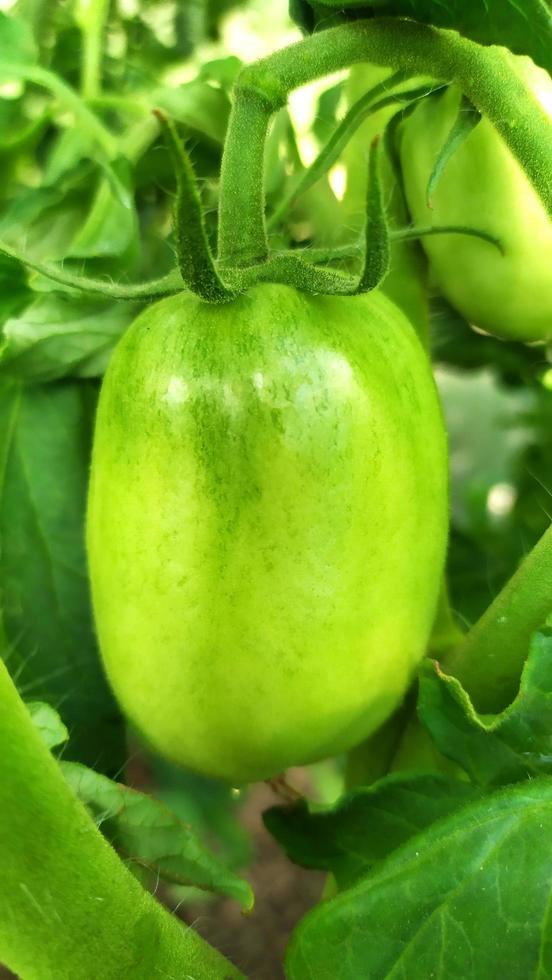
pixel 483 187
pixel 266 526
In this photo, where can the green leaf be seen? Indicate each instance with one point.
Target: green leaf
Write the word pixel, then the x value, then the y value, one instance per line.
pixel 212 807
pixel 16 41
pixel 494 750
pixel 195 258
pixel 80 214
pixel 45 437
pixel 146 832
pixel 358 832
pixel 48 218
pixel 60 336
pixel 524 27
pixel 469 897
pixel 69 148
pixel 222 71
pixel 110 227
pixel 466 120
pixel 50 726
pixel 197 105
pixel 14 291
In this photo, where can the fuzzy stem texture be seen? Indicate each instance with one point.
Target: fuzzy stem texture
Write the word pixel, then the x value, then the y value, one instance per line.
pixel 490 660
pixel 69 908
pixel 483 74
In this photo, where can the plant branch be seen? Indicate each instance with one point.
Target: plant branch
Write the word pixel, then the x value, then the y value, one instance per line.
pixel 68 905
pixel 352 250
pixel 490 660
pixel 154 289
pixel 91 16
pixel 483 74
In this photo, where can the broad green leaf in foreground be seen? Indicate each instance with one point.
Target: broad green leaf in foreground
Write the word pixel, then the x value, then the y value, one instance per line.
pixel 366 825
pixel 494 749
pixel 145 831
pixel 59 335
pixel 470 897
pixel 45 436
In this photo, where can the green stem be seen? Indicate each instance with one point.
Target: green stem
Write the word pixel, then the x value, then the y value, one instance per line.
pixel 483 74
pixel 91 17
pixel 154 289
pixel 242 235
pixel 69 907
pixel 490 660
pixel 353 250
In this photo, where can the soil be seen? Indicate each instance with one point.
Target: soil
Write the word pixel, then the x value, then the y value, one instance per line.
pixel 283 894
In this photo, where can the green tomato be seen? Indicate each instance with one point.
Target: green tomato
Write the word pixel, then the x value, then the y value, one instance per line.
pixel 267 525
pixel 483 187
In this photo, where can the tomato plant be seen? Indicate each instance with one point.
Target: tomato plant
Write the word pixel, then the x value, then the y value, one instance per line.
pixel 276 456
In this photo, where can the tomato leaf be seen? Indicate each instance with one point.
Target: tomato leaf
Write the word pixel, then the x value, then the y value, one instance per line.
pixel 358 832
pixel 142 829
pixel 59 336
pixel 197 105
pixel 16 41
pixel 45 436
pixel 469 897
pixel 494 750
pixel 47 721
pixel 195 258
pixel 14 291
pixel 466 120
pixel 146 832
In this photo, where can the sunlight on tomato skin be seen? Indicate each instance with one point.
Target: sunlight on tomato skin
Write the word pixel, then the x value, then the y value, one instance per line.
pixel 267 525
pixel 483 187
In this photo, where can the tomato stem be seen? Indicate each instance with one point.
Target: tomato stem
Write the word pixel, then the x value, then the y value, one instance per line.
pixel 72 902
pixel 91 17
pixel 483 74
pixel 490 660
